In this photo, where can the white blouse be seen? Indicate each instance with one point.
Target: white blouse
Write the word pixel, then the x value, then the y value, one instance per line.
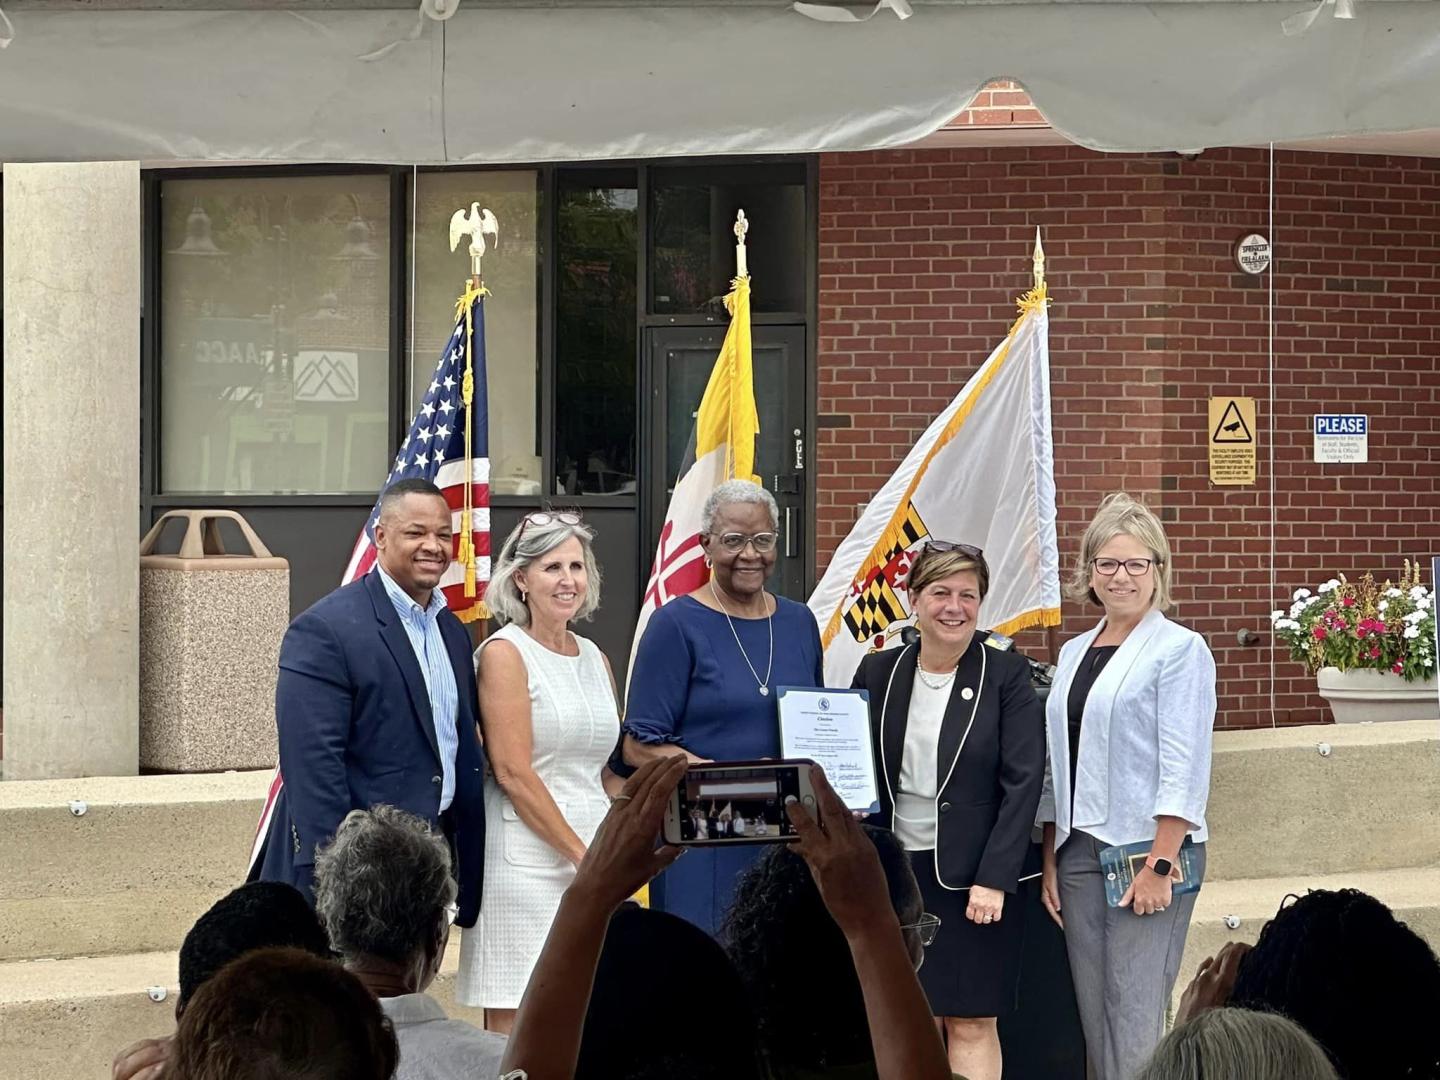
pixel 920 766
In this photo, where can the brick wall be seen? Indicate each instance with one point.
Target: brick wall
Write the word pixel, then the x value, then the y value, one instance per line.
pixel 922 252
pixel 1000 104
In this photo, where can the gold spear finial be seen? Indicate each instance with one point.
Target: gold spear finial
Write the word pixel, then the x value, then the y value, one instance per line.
pixel 742 226
pixel 1038 260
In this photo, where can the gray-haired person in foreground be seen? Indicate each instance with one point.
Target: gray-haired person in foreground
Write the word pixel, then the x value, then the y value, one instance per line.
pixel 1237 1044
pixel 384 891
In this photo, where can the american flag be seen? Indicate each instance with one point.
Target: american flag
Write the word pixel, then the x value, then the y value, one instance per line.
pixel 434 450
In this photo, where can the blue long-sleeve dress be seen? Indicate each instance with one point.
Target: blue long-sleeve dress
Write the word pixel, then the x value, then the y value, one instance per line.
pixel 691 686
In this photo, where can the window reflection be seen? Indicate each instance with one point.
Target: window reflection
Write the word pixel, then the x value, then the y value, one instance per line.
pixel 275 307
pixel 692 217
pixel 595 334
pixel 511 313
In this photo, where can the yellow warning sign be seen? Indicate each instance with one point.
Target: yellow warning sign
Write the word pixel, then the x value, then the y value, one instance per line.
pixel 1232 440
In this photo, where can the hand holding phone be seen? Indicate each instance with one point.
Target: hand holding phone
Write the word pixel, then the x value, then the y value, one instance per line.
pixel 842 859
pixel 623 856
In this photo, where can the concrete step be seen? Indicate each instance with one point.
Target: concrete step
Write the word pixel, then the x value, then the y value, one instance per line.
pixel 67 1018
pixel 128 875
pixel 1279 807
pixel 1413 893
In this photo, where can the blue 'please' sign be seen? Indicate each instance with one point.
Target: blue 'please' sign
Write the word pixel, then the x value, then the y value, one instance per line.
pixel 1342 424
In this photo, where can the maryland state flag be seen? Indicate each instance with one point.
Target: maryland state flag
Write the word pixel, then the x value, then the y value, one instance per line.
pixel 722 447
pixel 982 474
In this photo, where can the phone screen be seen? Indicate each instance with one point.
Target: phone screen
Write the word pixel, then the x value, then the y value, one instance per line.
pixel 737 805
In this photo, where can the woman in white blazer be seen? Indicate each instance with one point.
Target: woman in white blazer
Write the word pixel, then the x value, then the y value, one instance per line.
pixel 1128 726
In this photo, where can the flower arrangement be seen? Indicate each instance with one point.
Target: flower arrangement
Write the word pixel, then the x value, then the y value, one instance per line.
pixel 1349 625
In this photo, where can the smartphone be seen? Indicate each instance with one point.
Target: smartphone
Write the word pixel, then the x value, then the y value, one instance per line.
pixel 738 802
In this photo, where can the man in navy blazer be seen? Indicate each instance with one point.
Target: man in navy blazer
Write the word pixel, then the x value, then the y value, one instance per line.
pixel 376 704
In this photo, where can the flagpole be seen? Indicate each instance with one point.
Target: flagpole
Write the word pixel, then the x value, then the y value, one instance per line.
pixel 477 225
pixel 1037 264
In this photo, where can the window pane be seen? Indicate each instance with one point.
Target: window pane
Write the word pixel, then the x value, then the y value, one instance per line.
pixel 595 342
pixel 275 311
pixel 512 350
pixel 692 226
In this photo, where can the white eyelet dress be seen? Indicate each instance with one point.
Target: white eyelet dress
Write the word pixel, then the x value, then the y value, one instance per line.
pixel 575 728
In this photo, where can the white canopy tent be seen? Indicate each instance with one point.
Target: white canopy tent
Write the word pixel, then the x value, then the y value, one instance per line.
pixel 503 81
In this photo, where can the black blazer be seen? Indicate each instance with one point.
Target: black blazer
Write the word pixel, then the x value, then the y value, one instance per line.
pixel 991 760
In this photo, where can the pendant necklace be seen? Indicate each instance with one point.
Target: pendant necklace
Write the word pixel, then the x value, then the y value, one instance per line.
pixel 764 683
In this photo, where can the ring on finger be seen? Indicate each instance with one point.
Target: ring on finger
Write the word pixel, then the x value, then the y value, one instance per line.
pixel 622 797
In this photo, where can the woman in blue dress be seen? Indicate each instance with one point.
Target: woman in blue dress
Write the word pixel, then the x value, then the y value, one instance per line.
pixel 705 677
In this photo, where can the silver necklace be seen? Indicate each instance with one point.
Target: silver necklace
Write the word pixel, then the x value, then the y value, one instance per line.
pixel 764 683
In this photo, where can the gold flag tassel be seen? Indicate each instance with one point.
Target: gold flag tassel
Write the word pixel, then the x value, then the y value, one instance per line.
pixel 473 292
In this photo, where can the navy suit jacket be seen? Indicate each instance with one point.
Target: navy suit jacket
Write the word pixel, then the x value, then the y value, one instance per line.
pixel 356 730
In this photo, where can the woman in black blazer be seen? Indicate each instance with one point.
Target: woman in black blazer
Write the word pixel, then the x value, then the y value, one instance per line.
pixel 960 740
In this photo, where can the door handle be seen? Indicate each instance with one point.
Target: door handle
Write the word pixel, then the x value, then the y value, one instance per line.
pixel 792 546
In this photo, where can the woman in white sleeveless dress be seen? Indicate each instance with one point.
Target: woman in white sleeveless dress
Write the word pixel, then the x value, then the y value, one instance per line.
pixel 549 718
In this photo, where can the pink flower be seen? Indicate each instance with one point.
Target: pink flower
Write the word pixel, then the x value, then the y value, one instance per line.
pixel 1375 653
pixel 1399 668
pixel 1319 633
pixel 1348 601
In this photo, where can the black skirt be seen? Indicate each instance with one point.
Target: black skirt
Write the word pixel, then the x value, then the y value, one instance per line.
pixel 971 969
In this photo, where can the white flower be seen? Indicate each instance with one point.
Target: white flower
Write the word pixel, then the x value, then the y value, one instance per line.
pixel 1276 616
pixel 1393 592
pixel 1380 607
pixel 1301 594
pixel 1419 591
pixel 1412 631
pixel 1423 603
pixel 1414 617
pixel 1330 586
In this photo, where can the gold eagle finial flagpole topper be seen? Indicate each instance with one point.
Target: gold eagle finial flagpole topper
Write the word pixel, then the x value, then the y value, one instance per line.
pixel 477 225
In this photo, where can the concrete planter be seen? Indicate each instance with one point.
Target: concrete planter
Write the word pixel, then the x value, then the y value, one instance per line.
pixel 1368 695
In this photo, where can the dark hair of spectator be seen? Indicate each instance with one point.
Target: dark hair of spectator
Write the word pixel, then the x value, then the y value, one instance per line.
pixel 413 486
pixel 653 966
pixel 283 1014
pixel 1361 982
pixel 796 963
pixel 262 914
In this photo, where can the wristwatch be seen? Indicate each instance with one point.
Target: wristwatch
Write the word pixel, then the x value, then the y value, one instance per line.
pixel 1159 866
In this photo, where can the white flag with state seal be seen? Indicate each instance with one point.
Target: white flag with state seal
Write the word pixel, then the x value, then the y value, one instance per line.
pixel 981 474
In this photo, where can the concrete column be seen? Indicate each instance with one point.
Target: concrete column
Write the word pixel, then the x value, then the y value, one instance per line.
pixel 72 469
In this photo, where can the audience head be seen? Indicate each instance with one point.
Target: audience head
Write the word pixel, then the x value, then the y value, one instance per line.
pixel 1361 982
pixel 650 966
pixel 283 1014
pixel 262 914
pixel 384 891
pixel 796 963
pixel 1237 1044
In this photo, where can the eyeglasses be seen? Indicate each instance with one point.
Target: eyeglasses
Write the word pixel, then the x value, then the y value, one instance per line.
pixel 547 517
pixel 926 928
pixel 762 542
pixel 1133 567
pixel 940 547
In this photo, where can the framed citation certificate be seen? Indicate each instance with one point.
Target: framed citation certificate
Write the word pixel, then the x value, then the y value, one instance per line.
pixel 832 728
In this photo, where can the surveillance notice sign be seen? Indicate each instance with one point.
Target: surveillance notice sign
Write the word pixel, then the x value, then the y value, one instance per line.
pixel 1231 427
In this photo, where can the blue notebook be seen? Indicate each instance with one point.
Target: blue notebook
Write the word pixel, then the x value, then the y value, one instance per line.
pixel 1121 863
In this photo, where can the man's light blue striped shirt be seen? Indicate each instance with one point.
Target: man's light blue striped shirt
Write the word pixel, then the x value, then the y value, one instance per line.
pixel 423 630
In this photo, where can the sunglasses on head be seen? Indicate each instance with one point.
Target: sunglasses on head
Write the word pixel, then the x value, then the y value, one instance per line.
pixel 940 547
pixel 547 517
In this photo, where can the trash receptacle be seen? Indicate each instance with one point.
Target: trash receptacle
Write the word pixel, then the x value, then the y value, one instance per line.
pixel 210 630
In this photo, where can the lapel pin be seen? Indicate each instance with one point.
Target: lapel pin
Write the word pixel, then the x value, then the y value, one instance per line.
pixel 967 693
